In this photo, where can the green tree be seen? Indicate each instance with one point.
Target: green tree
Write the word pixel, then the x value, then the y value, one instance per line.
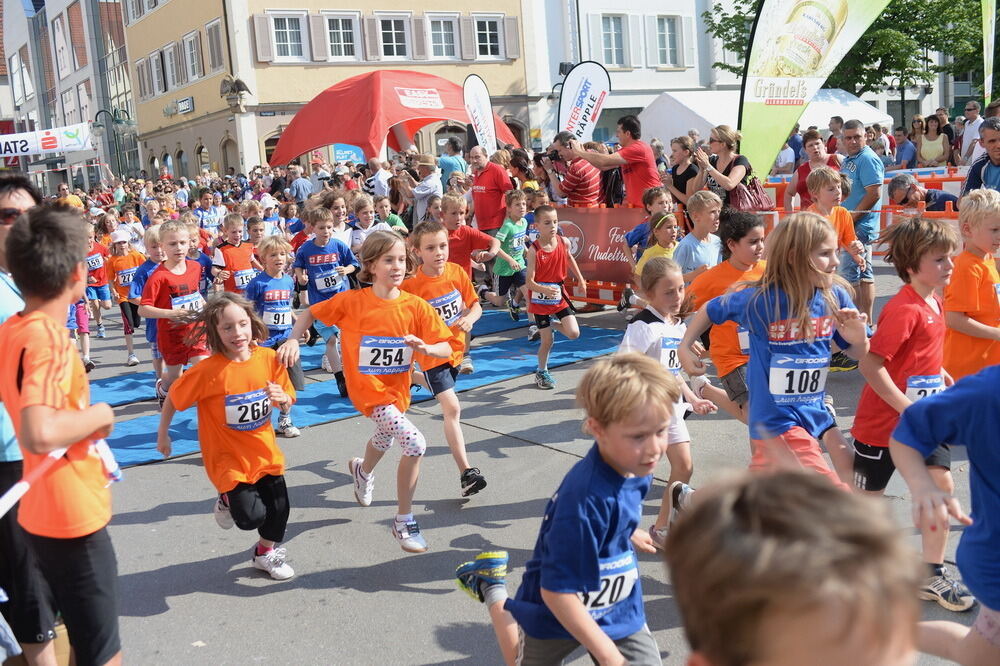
pixel 898 44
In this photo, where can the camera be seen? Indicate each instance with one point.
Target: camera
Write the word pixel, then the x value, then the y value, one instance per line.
pixel 553 155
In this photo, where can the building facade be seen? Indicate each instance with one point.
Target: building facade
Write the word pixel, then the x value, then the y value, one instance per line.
pixel 183 54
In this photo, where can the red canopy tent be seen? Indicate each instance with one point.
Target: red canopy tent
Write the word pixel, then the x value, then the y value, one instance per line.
pixel 362 109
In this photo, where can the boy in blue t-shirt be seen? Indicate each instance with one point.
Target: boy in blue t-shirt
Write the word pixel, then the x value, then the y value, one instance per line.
pixel 154 255
pixel 323 264
pixel 581 586
pixel 701 249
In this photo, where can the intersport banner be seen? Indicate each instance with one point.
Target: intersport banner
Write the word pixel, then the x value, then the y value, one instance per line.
pixel 56 140
pixel 480 110
pixel 989 43
pixel 582 98
pixel 794 46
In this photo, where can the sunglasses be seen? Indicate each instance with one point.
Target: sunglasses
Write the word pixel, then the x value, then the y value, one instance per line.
pixel 9 215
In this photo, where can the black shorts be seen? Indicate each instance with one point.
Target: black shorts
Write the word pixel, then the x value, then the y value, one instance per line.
pixel 30 612
pixel 441 378
pixel 83 576
pixel 545 320
pixel 735 385
pixel 873 466
pixel 505 282
pixel 130 316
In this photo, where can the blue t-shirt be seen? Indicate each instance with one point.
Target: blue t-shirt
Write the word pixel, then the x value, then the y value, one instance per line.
pixel 584 547
pixel 863 170
pixel 967 414
pixel 450 163
pixel 638 236
pixel 300 189
pixel 786 374
pixel 691 253
pixel 10 304
pixel 273 300
pixel 320 263
pixel 206 273
pixel 906 153
pixel 142 274
pixel 294 225
pixel 795 143
pixel 209 220
pixel 936 200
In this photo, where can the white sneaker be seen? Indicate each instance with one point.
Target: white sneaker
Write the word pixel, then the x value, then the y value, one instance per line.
pixel 132 361
pixel 533 333
pixel 273 562
pixel 698 384
pixel 325 363
pixel 364 486
pixel 221 512
pixel 409 537
pixel 466 367
pixel 659 536
pixel 286 428
pixel 680 496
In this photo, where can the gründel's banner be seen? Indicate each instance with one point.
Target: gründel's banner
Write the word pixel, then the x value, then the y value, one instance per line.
pixel 794 46
pixel 56 140
pixel 582 98
pixel 989 44
pixel 480 110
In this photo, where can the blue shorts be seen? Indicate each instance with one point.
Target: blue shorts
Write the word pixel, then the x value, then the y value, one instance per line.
pixel 850 271
pixel 441 378
pixel 328 332
pixel 99 293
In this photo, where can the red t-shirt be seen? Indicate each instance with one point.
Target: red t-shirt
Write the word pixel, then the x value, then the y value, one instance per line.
pixel 910 337
pixel 831 144
pixel 639 171
pixel 488 188
pixel 299 239
pixel 550 269
pixel 237 260
pixel 170 291
pixel 462 242
pixel 350 184
pixel 582 184
pixel 96 269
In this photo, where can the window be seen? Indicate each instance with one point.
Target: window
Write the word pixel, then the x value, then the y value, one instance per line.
pixel 140 75
pixel 488 37
pixel 151 4
pixel 170 65
pixel 20 77
pixel 613 41
pixel 666 41
pixel 136 8
pixel 214 32
pixel 83 92
pixel 157 79
pixel 192 56
pixel 393 37
pixel 61 46
pixel 443 38
pixel 288 37
pixel 70 116
pixel 343 41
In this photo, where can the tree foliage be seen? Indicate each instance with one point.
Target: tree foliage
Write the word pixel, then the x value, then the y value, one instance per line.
pixel 900 44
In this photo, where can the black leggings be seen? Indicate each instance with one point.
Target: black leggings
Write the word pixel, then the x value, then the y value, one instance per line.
pixel 261 506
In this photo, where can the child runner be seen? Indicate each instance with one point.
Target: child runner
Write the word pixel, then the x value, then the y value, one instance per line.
pixel 510 277
pixel 792 313
pixel 336 202
pixel 656 201
pixel 581 585
pixel 382 327
pixel 549 262
pixel 123 263
pixel 234 263
pixel 324 264
pixel 364 211
pixel 701 249
pixel 290 219
pixel 656 332
pixel 256 232
pixel 171 296
pixel 79 325
pixel 207 282
pixel 903 365
pixel 972 297
pixel 271 292
pixel 449 291
pixel 235 389
pixel 154 256
pixel 98 292
pixel 43 387
pixel 208 214
pixel 383 213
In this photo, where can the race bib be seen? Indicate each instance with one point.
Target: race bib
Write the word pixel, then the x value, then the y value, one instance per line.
pixel 448 307
pixel 798 379
pixel 328 280
pixel 95 261
pixel 921 386
pixel 538 298
pixel 743 335
pixel 277 316
pixel 383 356
pixel 618 576
pixel 248 411
pixel 669 357
pixel 125 276
pixel 996 289
pixel 242 278
pixel 192 302
pixel 517 242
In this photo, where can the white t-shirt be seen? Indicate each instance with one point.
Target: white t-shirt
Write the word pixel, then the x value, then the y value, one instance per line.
pixel 786 156
pixel 359 235
pixel 971 133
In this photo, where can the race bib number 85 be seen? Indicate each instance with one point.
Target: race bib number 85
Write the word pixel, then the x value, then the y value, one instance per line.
pixel 383 356
pixel 798 379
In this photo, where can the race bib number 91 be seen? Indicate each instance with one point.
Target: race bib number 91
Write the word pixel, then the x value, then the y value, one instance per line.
pixel 248 411
pixel 278 317
pixel 618 577
pixel 798 379
pixel 383 356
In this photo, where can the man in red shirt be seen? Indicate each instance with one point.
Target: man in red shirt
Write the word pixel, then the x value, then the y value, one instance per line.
pixel 635 158
pixel 577 180
pixel 836 126
pixel 489 183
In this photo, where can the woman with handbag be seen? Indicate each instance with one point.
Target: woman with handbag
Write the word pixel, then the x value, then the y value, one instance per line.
pixel 725 169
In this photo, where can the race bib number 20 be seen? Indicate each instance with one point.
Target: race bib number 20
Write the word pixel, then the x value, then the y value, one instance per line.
pixel 618 576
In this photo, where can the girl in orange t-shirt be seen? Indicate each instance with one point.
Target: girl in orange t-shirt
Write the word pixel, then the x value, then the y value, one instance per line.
pixel 381 327
pixel 448 289
pixel 122 265
pixel 235 389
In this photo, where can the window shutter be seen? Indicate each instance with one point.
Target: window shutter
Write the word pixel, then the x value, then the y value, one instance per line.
pixel 652 42
pixel 596 38
pixel 140 80
pixel 511 38
pixel 180 63
pixel 688 43
pixel 199 63
pixel 215 46
pixel 418 28
pixel 372 38
pixel 633 33
pixel 319 37
pixel 262 38
pixel 148 75
pixel 467 32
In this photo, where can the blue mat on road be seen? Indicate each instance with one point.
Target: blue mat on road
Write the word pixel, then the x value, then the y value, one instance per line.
pixel 134 441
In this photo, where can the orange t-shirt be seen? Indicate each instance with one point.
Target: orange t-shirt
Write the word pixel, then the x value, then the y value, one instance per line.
pixel 726 348
pixel 237 260
pixel 234 415
pixel 377 362
pixel 42 368
pixel 450 294
pixel 843 224
pixel 975 290
pixel 122 270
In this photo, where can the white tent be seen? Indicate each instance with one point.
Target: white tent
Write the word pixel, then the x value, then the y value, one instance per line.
pixel 672 114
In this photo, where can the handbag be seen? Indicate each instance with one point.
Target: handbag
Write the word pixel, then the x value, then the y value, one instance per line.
pixel 750 197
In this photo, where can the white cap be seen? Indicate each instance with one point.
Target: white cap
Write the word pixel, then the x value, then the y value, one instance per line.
pixel 121 236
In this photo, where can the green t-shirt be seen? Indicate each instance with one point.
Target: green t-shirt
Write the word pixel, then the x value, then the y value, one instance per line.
pixel 395 221
pixel 511 237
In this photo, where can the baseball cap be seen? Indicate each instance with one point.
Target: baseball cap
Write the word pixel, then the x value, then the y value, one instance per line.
pixel 96 212
pixel 120 236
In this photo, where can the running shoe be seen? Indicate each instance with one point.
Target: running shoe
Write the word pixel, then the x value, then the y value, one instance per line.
pixel 659 536
pixel 324 363
pixel 489 568
pixel 408 536
pixel 533 333
pixel 286 428
pixel 220 509
pixel 132 361
pixel 841 362
pixel 544 380
pixel 161 395
pixel 466 367
pixel 313 337
pixel 513 309
pixel 680 494
pixel 481 290
pixel 364 486
pixel 88 365
pixel 472 481
pixel 947 592
pixel 101 331
pixel 625 302
pixel 273 562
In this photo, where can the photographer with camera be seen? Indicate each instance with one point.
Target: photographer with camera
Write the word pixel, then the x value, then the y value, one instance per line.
pixel 574 178
pixel 635 158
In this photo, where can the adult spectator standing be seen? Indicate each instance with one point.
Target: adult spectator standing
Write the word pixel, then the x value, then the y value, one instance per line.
pixel 379 178
pixel 575 179
pixel 489 183
pixel 634 156
pixel 785 163
pixel 864 170
pixel 725 168
pixel 817 157
pixel 946 128
pixel 795 142
pixel 906 152
pixel 972 122
pixel 182 195
pixel 985 172
pixel 300 188
pixel 452 159
pixel 279 182
pixel 934 147
pixel 836 126
pixel 661 161
pixel 318 176
pixel 695 137
pixel 904 190
pixel 429 185
pixel 67 198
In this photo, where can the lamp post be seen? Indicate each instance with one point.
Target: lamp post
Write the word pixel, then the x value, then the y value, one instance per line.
pixel 119 120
